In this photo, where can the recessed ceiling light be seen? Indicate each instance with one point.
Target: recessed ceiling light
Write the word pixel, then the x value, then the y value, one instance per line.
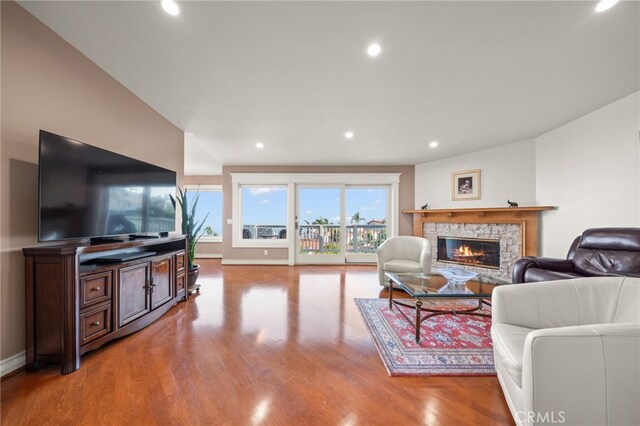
pixel 605 5
pixel 433 144
pixel 259 145
pixel 374 49
pixel 349 135
pixel 171 7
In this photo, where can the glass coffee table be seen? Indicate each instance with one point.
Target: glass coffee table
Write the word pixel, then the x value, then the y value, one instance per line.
pixel 435 286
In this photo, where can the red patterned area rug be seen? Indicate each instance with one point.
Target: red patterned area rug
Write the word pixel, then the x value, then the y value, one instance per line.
pixel 449 345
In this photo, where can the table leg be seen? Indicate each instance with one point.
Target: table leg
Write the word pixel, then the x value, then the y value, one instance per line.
pixel 418 310
pixel 390 294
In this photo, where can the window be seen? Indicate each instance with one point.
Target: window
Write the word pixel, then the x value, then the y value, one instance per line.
pixel 263 212
pixel 266 213
pixel 366 212
pixel 209 206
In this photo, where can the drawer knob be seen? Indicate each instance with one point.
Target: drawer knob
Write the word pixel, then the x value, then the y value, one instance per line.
pixel 95 324
pixel 95 289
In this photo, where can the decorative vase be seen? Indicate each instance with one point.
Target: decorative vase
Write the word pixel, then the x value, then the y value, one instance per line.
pixel 192 277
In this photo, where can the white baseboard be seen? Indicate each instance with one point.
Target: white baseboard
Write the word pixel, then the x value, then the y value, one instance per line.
pixel 255 262
pixel 209 256
pixel 12 363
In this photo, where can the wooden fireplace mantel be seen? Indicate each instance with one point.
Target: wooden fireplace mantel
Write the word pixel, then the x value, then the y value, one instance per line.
pixel 482 210
pixel 526 217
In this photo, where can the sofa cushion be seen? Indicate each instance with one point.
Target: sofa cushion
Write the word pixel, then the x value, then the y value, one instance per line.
pixel 401 265
pixel 597 252
pixel 508 344
pixel 598 262
pixel 628 302
pixel 537 274
pixel 608 251
pixel 611 239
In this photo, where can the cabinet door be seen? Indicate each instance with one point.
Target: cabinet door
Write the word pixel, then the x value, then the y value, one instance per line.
pixel 162 281
pixel 133 283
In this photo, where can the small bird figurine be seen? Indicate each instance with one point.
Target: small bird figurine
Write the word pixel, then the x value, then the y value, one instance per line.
pixel 512 203
pixel 425 206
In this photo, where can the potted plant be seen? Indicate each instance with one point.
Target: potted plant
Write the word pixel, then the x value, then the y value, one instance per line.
pixel 191 228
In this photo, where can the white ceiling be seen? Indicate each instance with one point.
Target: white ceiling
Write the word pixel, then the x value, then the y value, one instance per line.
pixel 295 75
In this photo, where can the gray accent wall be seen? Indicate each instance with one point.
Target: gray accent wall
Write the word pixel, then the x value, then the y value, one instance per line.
pixel 406 201
pixel 47 84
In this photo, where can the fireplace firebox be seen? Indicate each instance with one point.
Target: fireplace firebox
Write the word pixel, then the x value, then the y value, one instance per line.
pixel 469 251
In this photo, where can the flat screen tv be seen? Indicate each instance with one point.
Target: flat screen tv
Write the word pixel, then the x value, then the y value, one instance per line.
pixel 89 192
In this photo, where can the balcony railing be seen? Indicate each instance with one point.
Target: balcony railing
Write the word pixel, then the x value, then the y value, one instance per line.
pixel 154 224
pixel 264 232
pixel 324 238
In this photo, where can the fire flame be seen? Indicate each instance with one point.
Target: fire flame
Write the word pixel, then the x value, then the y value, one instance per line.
pixel 465 251
pixel 470 254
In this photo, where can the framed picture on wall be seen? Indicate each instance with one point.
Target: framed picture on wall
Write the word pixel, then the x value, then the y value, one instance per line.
pixel 465 185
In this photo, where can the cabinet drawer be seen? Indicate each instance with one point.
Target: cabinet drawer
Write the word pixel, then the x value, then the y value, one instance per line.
pixel 180 279
pixel 95 323
pixel 95 288
pixel 181 261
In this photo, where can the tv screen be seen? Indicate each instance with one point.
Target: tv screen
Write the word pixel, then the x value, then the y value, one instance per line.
pixel 86 192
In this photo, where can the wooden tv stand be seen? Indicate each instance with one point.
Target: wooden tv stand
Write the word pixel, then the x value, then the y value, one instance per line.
pixel 75 304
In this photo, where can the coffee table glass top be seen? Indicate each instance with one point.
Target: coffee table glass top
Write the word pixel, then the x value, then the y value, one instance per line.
pixel 435 285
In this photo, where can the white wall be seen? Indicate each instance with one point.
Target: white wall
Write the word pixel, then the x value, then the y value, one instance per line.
pixel 506 172
pixel 590 169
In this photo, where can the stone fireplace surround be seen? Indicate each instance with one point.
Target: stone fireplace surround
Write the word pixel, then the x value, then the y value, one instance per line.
pixel 509 235
pixel 516 228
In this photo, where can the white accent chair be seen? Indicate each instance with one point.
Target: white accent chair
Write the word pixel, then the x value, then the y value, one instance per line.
pixel 403 254
pixel 569 350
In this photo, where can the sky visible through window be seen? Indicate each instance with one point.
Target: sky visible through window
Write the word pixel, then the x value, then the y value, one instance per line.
pixel 268 205
pixel 369 203
pixel 209 202
pixel 264 206
pixel 319 203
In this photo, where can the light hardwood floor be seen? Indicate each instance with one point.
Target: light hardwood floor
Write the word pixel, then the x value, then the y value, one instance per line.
pixel 270 345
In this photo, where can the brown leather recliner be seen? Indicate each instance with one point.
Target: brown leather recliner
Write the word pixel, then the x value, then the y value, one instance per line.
pixel 597 252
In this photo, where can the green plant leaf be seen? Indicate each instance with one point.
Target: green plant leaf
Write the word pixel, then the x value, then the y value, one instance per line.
pixel 191 227
pixel 199 225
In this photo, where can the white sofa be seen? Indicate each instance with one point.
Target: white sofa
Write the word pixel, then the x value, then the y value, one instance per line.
pixel 568 352
pixel 403 254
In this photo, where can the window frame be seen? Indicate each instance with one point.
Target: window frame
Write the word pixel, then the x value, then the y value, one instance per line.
pixel 238 241
pixel 210 188
pixel 291 180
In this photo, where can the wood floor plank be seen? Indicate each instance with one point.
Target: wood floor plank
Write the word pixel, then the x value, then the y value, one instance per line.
pixel 272 345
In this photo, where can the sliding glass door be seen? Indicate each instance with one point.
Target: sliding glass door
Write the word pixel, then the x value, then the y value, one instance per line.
pixel 367 210
pixel 340 223
pixel 320 224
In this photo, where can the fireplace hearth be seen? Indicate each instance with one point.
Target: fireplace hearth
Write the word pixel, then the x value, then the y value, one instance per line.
pixel 469 251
